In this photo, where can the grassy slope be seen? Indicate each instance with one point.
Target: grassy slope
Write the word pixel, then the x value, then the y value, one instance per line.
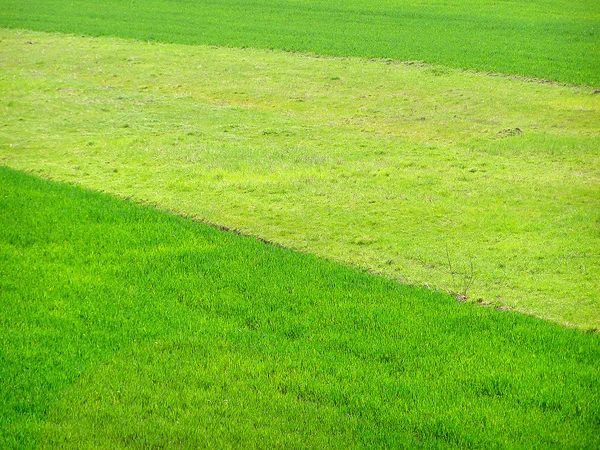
pixel 122 326
pixel 377 165
pixel 556 40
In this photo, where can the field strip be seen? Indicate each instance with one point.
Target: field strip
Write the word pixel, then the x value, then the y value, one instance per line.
pixel 479 185
pixel 546 39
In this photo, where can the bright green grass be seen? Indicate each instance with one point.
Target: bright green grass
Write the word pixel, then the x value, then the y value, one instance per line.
pixel 387 167
pixel 551 39
pixel 125 327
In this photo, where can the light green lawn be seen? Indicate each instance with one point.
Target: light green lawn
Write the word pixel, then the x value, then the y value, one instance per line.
pixel 390 167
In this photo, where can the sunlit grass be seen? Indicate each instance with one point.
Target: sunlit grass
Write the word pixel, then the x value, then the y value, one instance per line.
pixel 413 172
pixel 125 327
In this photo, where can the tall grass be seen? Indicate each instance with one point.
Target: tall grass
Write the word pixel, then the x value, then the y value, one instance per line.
pixel 556 40
pixel 125 327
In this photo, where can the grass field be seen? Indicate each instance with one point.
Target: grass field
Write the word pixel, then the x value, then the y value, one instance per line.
pixel 125 327
pixel 414 172
pixel 557 40
pixel 469 171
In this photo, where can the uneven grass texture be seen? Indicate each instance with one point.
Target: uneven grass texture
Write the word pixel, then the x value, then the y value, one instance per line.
pixel 551 39
pixel 417 173
pixel 125 327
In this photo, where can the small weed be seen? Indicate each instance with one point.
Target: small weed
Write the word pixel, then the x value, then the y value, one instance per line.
pixel 462 279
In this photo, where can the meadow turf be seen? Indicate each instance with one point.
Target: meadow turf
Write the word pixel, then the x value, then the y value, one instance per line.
pixel 125 327
pixel 479 185
pixel 557 40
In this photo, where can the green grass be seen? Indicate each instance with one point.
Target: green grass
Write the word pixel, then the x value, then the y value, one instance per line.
pixel 393 168
pixel 125 327
pixel 557 40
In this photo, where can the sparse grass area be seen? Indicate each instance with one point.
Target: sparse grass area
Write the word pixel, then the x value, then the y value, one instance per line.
pixel 551 39
pixel 125 327
pixel 389 167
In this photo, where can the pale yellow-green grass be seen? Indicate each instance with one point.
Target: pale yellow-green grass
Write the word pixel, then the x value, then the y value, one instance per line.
pixel 485 186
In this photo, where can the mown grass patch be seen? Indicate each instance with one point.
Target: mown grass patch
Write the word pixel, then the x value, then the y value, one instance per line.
pixel 125 327
pixel 411 172
pixel 556 40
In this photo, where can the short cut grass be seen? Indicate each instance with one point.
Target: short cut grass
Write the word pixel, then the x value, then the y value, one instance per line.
pixel 484 186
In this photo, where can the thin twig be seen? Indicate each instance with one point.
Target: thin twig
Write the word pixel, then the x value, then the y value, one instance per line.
pixel 450 265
